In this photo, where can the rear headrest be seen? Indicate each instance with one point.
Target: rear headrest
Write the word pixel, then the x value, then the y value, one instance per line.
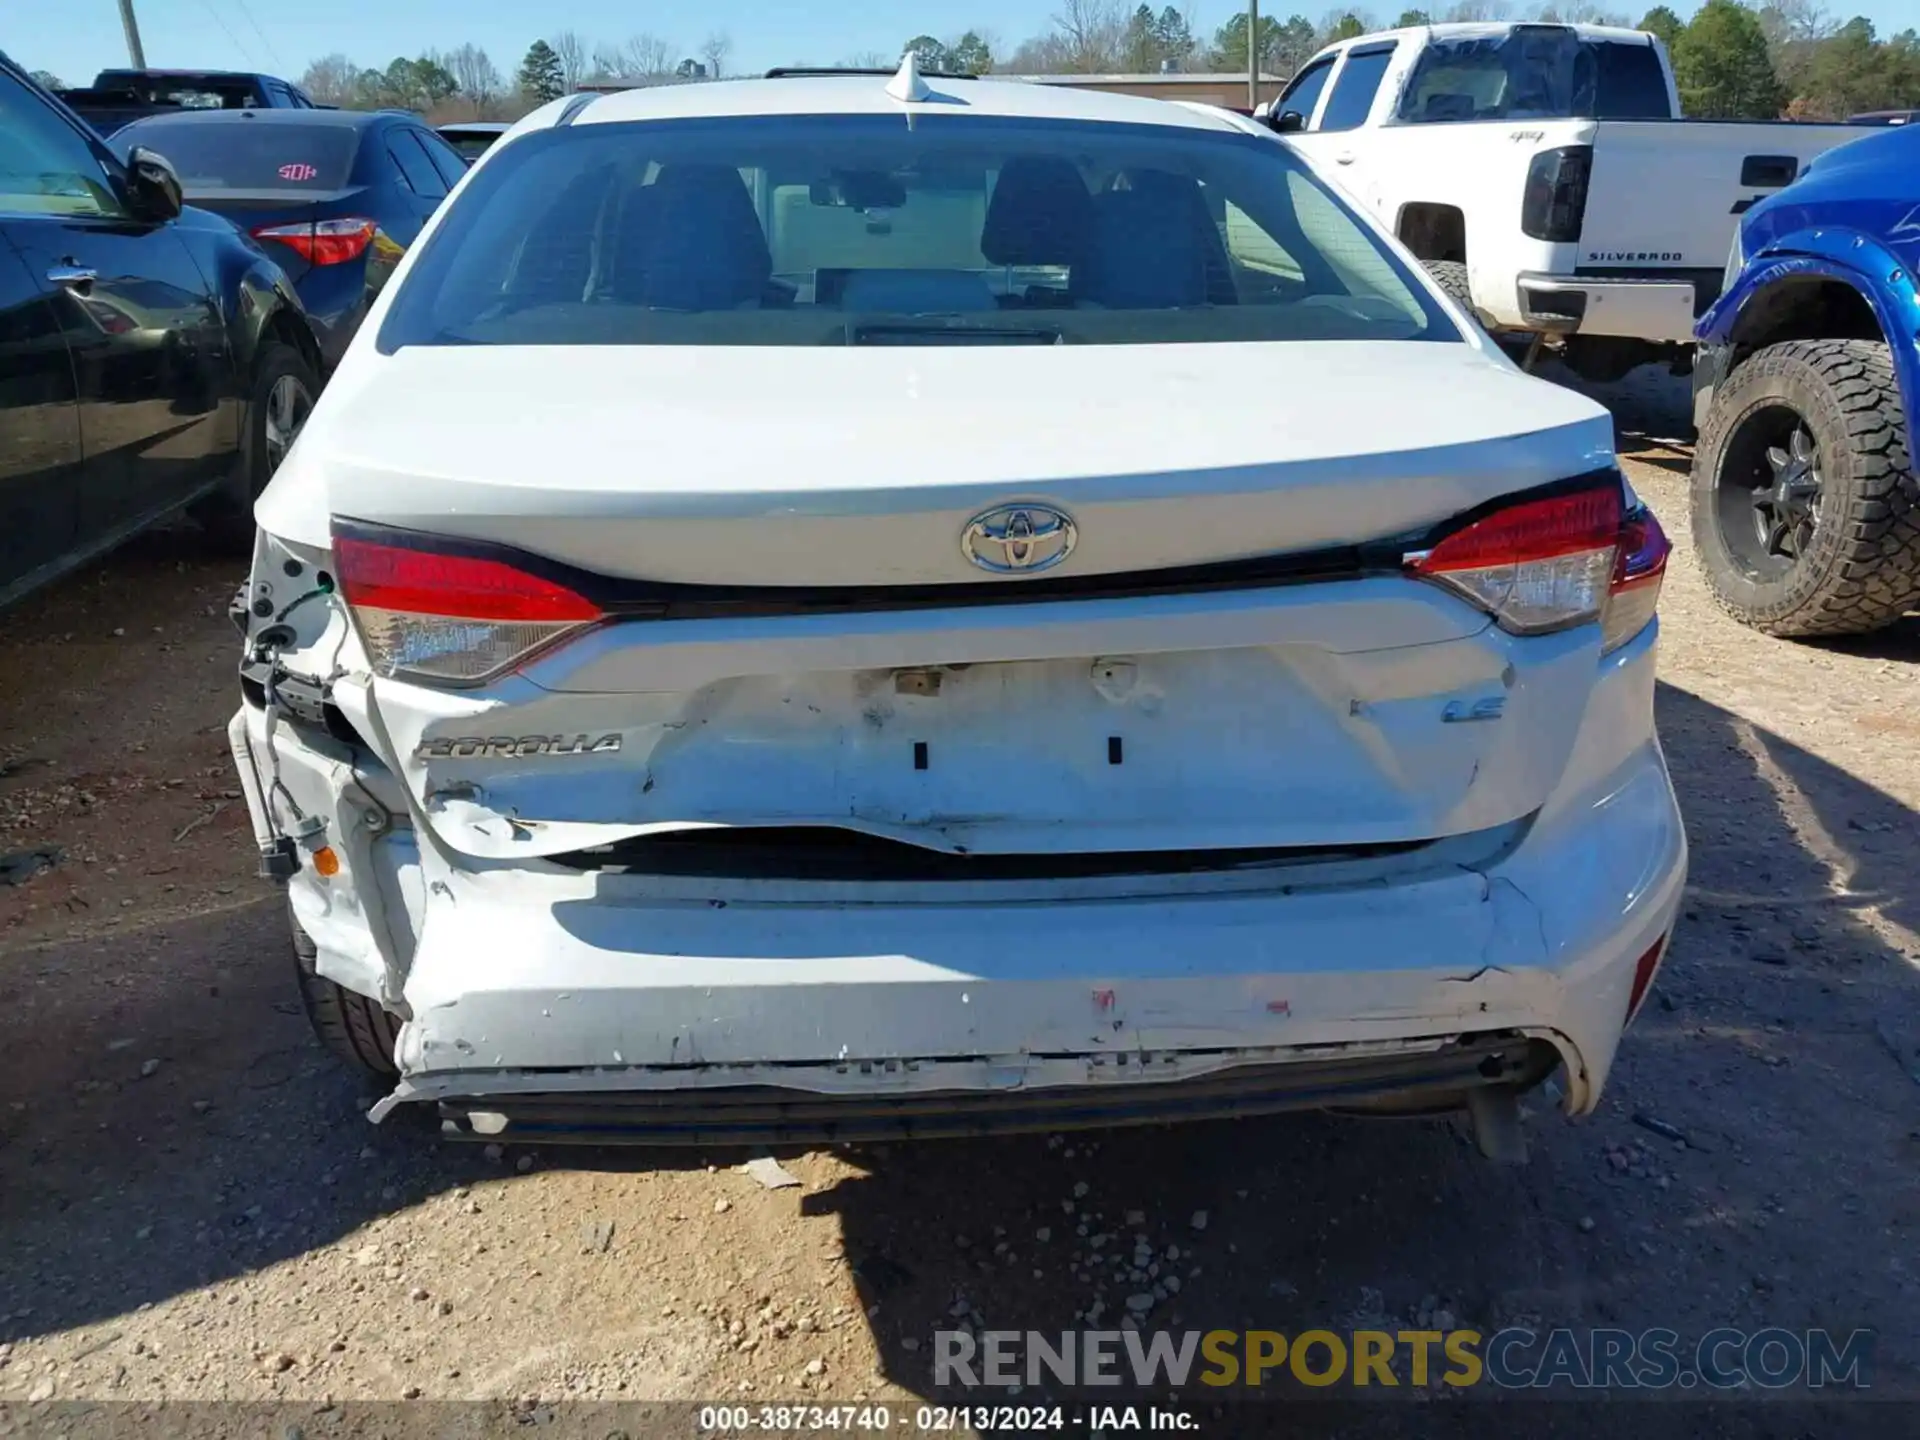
pixel 1155 246
pixel 556 262
pixel 707 250
pixel 1040 214
pixel 1447 106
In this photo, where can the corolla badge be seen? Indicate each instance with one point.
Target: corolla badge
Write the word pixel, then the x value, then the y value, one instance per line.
pixel 1019 539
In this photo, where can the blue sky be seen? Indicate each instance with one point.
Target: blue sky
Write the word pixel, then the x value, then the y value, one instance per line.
pixel 74 38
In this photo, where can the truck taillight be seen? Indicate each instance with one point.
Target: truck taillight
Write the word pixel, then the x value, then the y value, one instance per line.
pixel 446 616
pixel 1557 561
pixel 1554 203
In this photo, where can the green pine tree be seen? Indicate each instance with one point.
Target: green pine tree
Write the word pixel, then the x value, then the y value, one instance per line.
pixel 1723 69
pixel 1664 25
pixel 541 75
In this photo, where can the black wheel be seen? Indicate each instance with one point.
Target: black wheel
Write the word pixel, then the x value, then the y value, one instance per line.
pixel 1806 512
pixel 284 388
pixel 353 1027
pixel 1451 277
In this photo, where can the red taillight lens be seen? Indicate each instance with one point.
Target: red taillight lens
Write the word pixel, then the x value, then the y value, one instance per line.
pixel 323 242
pixel 451 618
pixel 1638 573
pixel 1537 566
pixel 1644 969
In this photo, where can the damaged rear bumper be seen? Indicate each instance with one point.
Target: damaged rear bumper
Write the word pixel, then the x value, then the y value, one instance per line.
pixel 543 1000
pixel 1395 1078
pixel 607 1005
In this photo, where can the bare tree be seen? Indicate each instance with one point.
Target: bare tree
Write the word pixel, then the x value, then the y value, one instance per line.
pixel 1042 55
pixel 332 80
pixel 716 49
pixel 572 51
pixel 869 60
pixel 479 79
pixel 1094 32
pixel 648 56
pixel 639 59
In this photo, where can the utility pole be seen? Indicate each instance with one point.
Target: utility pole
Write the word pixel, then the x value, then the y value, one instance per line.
pixel 1253 49
pixel 127 23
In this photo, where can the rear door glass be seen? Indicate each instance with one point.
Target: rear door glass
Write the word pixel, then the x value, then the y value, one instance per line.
pixel 444 157
pixel 214 155
pixel 420 175
pixel 1352 98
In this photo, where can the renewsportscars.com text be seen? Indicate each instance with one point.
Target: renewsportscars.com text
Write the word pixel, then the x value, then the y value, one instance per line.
pixel 1511 1359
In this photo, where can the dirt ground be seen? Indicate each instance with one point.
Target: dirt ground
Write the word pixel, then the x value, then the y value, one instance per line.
pixel 191 1206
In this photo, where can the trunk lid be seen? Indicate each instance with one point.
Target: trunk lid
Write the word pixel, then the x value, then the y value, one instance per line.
pixel 1330 713
pixel 739 466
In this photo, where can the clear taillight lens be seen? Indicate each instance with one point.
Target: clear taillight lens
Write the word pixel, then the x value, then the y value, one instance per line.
pixel 1561 560
pixel 1537 566
pixel 1634 594
pixel 447 617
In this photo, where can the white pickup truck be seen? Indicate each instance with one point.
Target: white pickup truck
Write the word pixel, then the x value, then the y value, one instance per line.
pixel 1544 174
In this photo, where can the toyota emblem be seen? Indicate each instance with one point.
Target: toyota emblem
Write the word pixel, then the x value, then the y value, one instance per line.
pixel 1019 539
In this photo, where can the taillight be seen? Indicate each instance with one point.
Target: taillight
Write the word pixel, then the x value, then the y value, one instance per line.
pixel 1644 969
pixel 447 617
pixel 323 242
pixel 1634 593
pixel 1536 566
pixel 1554 202
pixel 1555 562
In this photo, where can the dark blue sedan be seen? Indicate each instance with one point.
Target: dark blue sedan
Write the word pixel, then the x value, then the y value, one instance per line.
pixel 334 196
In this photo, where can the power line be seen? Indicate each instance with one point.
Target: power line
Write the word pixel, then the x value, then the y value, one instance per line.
pixel 271 50
pixel 228 31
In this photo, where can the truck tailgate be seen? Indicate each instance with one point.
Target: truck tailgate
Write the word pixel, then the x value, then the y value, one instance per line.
pixel 1665 195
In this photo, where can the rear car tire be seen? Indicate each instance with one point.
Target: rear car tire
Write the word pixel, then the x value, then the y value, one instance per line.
pixel 1451 277
pixel 1805 508
pixel 359 1033
pixel 284 389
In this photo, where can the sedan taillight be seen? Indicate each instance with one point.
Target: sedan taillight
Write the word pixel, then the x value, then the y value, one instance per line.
pixel 1536 566
pixel 1557 561
pixel 323 242
pixel 1638 573
pixel 446 617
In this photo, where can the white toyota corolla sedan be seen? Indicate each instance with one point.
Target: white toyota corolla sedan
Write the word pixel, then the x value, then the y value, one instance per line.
pixel 851 606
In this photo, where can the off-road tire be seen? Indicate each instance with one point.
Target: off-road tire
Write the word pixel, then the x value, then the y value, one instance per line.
pixel 227 514
pixel 359 1033
pixel 1861 570
pixel 1451 277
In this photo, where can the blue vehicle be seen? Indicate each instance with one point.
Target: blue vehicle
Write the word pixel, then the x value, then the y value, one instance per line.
pixel 1806 509
pixel 334 197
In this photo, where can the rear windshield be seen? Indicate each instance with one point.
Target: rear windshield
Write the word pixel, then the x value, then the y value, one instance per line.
pixel 243 154
pixel 190 92
pixel 471 144
pixel 1535 72
pixel 847 230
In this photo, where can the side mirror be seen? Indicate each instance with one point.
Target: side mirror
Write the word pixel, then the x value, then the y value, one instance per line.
pixel 153 189
pixel 1288 121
